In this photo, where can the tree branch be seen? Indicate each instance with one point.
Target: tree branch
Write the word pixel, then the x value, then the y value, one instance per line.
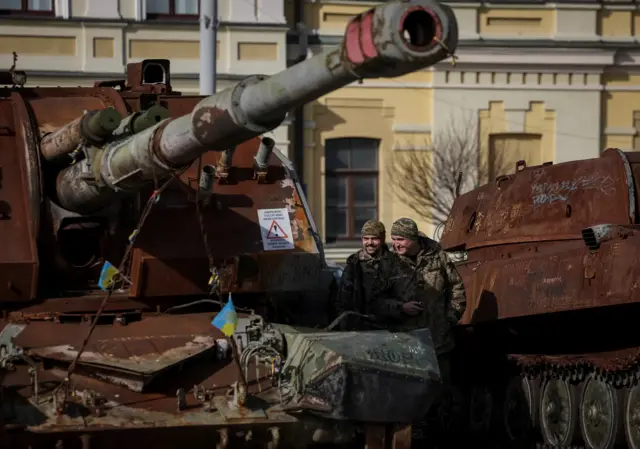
pixel 429 181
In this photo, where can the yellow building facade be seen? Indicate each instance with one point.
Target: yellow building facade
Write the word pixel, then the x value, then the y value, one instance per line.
pixel 71 43
pixel 553 82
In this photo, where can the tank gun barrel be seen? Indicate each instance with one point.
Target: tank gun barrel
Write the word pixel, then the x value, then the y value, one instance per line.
pixel 93 126
pixel 386 41
pixel 139 121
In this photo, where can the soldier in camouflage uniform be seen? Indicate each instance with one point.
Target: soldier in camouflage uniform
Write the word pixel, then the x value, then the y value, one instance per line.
pixel 433 297
pixel 433 294
pixel 365 279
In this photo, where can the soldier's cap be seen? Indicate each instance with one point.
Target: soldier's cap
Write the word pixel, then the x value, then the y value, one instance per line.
pixel 374 228
pixel 405 227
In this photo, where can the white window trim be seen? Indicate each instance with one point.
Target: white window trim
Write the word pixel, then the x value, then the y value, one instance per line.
pixel 63 8
pixel 141 10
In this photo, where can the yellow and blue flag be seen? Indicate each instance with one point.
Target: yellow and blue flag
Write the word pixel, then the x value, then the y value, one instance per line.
pixel 107 276
pixel 226 320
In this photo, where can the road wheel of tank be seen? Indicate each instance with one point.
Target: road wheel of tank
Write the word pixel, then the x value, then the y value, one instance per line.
pixel 520 410
pixel 558 412
pixel 481 404
pixel 600 414
pixel 632 417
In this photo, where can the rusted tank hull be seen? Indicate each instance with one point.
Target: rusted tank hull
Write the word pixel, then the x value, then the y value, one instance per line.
pixel 109 407
pixel 551 273
pixel 130 420
pixel 130 389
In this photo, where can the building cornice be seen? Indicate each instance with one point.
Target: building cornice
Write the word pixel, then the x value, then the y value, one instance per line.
pixel 514 42
pixel 537 60
pixel 621 131
pixel 510 4
pixel 396 84
pixel 528 57
pixel 149 24
pixel 541 58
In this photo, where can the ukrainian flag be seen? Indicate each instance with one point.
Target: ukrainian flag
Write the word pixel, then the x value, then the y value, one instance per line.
pixel 226 320
pixel 107 276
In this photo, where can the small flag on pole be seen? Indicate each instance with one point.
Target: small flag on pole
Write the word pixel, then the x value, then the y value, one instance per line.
pixel 107 276
pixel 226 320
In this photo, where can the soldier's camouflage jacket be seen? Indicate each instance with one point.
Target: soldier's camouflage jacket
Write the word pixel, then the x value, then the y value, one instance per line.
pixel 364 284
pixel 433 280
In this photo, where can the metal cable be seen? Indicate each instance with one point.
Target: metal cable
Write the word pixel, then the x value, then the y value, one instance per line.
pixel 145 213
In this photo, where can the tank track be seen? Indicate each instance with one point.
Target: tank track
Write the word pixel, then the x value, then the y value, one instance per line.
pixel 619 368
pixel 565 401
pixel 599 395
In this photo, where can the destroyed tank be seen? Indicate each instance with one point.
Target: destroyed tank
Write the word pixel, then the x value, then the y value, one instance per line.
pixel 130 214
pixel 549 337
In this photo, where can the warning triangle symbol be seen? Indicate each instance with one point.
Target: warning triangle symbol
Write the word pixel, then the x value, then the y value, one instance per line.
pixel 276 232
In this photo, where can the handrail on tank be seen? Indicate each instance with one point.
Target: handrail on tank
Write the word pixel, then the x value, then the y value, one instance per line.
pixel 384 42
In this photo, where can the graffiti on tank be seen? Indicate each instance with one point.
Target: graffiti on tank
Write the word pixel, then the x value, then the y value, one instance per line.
pixel 544 193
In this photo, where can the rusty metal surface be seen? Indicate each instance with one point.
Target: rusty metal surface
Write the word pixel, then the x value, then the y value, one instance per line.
pixel 524 240
pixel 174 266
pixel 558 277
pixel 63 140
pixel 100 407
pixel 127 409
pixel 151 344
pixel 30 164
pixel 551 270
pixel 142 348
pixel 609 361
pixel 153 268
pixel 54 107
pixel 549 278
pixel 542 203
pixel 18 259
pixel 21 178
pixel 401 437
pixel 237 204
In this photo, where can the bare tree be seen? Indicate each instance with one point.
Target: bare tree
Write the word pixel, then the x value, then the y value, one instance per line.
pixel 429 181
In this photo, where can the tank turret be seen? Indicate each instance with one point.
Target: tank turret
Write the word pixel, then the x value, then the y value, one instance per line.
pixel 549 256
pixel 387 41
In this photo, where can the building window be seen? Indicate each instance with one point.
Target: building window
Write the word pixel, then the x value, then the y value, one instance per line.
pixel 159 9
pixel 40 7
pixel 351 186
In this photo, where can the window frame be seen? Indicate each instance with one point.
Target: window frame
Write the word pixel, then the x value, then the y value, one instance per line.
pixel 25 11
pixel 350 174
pixel 172 13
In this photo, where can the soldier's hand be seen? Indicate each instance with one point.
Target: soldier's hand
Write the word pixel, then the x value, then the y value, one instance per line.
pixel 412 308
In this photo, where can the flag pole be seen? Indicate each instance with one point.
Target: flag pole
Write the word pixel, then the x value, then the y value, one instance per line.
pixel 227 320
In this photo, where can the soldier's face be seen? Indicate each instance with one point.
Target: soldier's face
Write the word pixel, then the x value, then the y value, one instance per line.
pixel 403 246
pixel 371 244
